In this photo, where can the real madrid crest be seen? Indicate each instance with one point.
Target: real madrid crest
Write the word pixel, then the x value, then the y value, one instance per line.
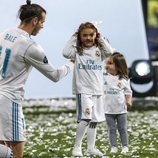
pixel 87 111
pixel 98 53
pixel 119 85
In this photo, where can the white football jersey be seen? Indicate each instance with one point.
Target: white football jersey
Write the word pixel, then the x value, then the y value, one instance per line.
pixel 88 69
pixel 114 94
pixel 18 54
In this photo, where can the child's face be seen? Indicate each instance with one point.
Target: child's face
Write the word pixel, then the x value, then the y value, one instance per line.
pixel 110 66
pixel 88 37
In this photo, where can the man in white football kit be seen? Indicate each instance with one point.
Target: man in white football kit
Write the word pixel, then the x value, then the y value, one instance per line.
pixel 88 50
pixel 18 54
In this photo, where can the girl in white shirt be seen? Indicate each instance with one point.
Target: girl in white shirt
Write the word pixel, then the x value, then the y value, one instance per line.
pixel 88 49
pixel 117 97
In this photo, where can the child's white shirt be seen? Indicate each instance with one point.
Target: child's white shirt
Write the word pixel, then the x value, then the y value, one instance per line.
pixel 88 69
pixel 114 94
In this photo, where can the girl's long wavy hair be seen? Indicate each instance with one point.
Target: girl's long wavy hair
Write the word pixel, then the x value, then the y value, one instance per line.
pixel 79 45
pixel 120 64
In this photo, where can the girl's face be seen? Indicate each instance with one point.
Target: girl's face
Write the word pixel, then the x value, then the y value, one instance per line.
pixel 110 66
pixel 88 37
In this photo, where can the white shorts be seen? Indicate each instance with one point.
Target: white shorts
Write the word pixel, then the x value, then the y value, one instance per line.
pixel 90 107
pixel 12 123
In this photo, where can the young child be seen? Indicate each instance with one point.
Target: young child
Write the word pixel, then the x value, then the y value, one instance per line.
pixel 88 49
pixel 117 97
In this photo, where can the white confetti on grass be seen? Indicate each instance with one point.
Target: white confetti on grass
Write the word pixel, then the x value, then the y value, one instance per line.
pixel 52 135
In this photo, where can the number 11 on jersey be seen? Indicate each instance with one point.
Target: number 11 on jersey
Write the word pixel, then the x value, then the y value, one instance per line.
pixel 5 62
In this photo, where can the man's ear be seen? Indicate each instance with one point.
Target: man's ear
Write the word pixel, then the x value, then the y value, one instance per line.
pixel 35 21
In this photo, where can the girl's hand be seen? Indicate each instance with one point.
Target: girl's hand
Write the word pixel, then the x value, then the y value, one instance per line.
pixel 75 34
pixel 73 61
pixel 98 35
pixel 129 105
